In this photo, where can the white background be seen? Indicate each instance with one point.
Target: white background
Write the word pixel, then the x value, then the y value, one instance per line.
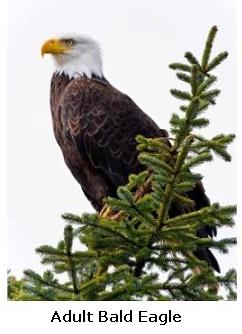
pixel 139 39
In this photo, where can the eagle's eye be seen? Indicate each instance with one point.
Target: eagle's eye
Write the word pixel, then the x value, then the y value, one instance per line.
pixel 69 42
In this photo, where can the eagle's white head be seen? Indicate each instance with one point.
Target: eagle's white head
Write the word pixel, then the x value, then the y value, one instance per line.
pixel 75 55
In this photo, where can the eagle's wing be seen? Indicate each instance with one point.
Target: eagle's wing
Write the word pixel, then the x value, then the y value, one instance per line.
pixel 103 123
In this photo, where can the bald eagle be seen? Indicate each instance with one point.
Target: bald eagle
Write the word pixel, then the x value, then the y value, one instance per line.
pixel 95 126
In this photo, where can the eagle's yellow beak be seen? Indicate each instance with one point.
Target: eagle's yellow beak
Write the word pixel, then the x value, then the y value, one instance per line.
pixel 53 46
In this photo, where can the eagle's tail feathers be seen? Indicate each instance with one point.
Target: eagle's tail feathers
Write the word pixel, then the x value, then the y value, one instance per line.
pixel 203 253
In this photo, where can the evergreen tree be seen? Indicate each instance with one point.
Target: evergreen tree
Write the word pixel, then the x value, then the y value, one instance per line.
pixel 134 250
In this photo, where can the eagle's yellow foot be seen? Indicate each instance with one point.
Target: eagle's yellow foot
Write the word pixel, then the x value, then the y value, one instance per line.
pixel 106 212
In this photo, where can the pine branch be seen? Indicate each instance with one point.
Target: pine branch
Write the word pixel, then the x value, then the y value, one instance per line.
pixel 208 48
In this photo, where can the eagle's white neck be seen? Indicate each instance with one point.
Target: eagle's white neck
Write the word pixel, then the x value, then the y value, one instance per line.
pixel 82 62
